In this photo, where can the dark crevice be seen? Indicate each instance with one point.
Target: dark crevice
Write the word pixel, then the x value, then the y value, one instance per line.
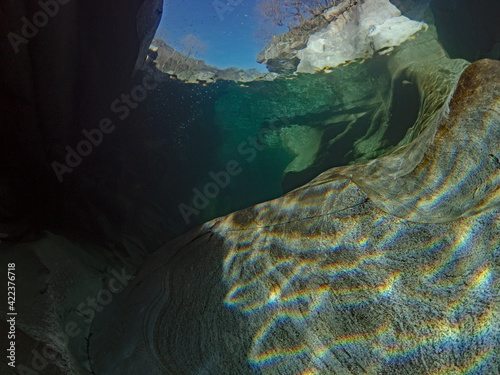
pixel 404 110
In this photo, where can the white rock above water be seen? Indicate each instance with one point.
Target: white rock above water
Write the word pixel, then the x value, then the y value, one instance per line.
pixel 374 25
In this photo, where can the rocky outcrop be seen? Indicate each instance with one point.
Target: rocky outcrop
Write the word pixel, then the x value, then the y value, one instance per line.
pixel 172 62
pixel 372 26
pixel 164 61
pixel 280 55
pixel 380 268
pixel 344 33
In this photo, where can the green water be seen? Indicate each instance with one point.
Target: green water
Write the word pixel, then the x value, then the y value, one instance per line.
pixel 281 134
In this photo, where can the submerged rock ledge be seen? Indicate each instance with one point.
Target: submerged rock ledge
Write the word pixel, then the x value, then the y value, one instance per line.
pixel 388 267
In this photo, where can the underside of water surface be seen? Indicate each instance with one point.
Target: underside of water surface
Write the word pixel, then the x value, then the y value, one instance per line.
pixel 281 133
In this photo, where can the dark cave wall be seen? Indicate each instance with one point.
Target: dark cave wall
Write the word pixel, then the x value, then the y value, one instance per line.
pixel 468 29
pixel 60 81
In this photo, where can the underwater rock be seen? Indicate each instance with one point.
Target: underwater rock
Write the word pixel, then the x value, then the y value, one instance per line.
pixel 461 35
pixel 416 90
pixel 388 267
pixel 302 142
pixel 455 165
pixel 58 283
pixel 53 85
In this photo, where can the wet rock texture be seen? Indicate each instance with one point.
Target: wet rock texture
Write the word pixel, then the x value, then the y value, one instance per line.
pixel 388 267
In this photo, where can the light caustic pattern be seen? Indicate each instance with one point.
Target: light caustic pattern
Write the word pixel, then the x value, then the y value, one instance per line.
pixel 366 297
pixel 333 283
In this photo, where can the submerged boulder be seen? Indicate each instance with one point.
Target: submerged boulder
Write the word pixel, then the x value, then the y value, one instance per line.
pixel 303 143
pixel 388 267
pixel 393 115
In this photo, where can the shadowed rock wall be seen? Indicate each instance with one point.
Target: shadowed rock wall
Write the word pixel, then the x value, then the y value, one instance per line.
pixel 58 79
pixel 59 76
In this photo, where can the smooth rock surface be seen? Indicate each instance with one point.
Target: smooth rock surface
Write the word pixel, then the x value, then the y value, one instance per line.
pixel 303 142
pixel 389 267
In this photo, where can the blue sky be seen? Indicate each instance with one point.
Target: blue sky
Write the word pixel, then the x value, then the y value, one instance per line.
pixel 229 35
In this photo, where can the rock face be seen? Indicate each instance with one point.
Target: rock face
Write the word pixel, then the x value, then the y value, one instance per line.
pixel 371 26
pixel 280 55
pixel 388 267
pixel 456 34
pixel 346 32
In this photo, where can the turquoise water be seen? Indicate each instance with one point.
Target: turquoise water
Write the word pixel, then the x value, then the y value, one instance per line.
pixel 281 134
pixel 354 113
